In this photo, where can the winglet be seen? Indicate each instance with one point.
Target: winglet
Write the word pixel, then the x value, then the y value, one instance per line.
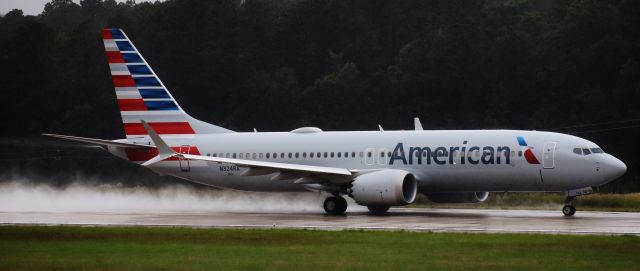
pixel 417 124
pixel 164 151
pixel 380 127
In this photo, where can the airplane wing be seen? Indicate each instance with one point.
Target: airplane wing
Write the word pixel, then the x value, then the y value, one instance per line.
pixel 268 165
pixel 284 170
pixel 102 142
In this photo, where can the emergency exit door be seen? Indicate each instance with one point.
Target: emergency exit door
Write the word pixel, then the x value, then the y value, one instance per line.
pixel 184 163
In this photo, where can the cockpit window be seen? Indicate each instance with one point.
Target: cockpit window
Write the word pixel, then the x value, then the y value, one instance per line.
pixel 586 151
pixel 577 151
pixel 597 150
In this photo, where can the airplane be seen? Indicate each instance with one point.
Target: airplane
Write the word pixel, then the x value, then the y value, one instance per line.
pixel 378 169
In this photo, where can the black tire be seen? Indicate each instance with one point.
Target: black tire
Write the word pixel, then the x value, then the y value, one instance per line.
pixel 378 209
pixel 568 210
pixel 335 205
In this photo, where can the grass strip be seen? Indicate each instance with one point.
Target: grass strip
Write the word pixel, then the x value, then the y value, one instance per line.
pixel 129 248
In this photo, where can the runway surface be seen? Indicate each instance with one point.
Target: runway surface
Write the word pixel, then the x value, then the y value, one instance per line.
pixel 437 220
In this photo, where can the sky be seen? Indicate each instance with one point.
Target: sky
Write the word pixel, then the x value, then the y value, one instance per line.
pixel 33 7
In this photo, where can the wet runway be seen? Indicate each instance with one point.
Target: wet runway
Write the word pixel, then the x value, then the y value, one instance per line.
pixel 436 220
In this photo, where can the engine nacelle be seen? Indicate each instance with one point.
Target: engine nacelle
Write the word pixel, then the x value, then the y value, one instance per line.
pixel 390 187
pixel 458 197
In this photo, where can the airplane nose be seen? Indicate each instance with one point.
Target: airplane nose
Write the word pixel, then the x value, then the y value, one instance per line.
pixel 615 168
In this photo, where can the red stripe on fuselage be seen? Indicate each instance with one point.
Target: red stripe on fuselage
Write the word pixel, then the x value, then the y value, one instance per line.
pixel 115 57
pixel 160 128
pixel 132 105
pixel 106 34
pixel 123 81
pixel 531 158
pixel 138 155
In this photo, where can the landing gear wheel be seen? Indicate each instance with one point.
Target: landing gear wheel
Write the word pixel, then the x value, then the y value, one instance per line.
pixel 568 210
pixel 378 209
pixel 335 205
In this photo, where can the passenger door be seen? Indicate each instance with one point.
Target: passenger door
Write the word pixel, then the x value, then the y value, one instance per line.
pixel 548 155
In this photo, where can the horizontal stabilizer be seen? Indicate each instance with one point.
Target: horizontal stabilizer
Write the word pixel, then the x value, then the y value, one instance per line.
pixel 102 142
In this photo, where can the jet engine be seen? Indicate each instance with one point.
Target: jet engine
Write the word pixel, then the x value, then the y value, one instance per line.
pixel 390 187
pixel 458 197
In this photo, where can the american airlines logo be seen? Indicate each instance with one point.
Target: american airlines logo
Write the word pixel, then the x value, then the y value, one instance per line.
pixel 528 154
pixel 463 154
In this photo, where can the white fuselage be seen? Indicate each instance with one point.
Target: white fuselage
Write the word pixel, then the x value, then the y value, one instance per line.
pixel 440 160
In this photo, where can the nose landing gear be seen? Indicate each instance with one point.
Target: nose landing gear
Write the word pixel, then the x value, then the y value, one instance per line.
pixel 335 205
pixel 568 209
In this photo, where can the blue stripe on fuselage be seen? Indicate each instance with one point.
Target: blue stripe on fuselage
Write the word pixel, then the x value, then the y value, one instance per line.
pixel 521 141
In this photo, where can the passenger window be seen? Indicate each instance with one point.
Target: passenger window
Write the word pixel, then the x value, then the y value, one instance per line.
pixel 297 155
pixel 368 154
pixel 215 154
pixel 331 154
pixel 326 154
pixel 353 154
pixel 361 154
pixel 268 154
pixel 260 155
pixel 586 151
pixel 311 154
pixel 339 154
pixel 234 155
pixel 577 151
pixel 346 154
pixel 241 156
pixel 254 155
pixel 275 155
pixel 290 155
pixel 282 155
pixel 519 153
pixel 319 154
pixel 304 155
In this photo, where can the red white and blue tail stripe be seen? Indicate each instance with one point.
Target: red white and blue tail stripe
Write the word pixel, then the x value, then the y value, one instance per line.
pixel 142 96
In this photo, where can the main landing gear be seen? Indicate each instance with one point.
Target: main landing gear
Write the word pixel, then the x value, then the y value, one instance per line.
pixel 568 209
pixel 335 205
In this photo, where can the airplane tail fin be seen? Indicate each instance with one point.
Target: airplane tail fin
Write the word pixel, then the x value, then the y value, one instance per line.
pixel 142 96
